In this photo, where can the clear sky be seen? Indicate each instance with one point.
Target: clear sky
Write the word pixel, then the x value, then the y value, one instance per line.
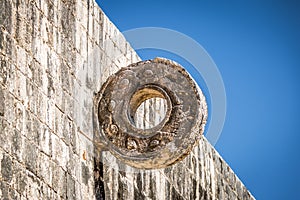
pixel 256 47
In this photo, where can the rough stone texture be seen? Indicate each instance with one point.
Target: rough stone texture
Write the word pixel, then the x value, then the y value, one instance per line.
pixel 202 175
pixel 169 141
pixel 54 55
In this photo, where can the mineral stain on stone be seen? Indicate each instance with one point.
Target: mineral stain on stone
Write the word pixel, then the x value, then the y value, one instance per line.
pixel 1 103
pixel 4 190
pixel 176 195
pixel 85 173
pixel 98 178
pixel 138 195
pixel 1 39
pixel 6 168
pixel 121 188
pixel 5 14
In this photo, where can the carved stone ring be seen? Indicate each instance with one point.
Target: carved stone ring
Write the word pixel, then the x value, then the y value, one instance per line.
pixel 171 139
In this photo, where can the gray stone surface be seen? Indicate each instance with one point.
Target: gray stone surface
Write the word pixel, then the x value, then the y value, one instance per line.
pixel 54 56
pixel 169 141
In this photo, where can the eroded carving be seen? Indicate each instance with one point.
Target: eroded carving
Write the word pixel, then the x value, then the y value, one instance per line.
pixel 174 136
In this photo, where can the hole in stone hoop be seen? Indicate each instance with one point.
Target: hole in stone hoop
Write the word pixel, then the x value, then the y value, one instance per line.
pixel 148 107
pixel 150 113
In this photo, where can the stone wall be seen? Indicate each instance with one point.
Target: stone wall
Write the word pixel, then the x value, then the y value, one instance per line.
pixel 54 56
pixel 202 175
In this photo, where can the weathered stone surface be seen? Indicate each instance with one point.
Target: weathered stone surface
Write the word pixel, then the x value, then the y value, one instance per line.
pixel 169 141
pixel 1 102
pixel 54 55
pixel 6 168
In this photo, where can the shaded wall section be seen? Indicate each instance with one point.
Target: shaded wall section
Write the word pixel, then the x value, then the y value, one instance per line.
pixel 54 56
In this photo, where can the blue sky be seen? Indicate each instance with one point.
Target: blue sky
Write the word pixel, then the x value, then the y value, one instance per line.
pixel 256 46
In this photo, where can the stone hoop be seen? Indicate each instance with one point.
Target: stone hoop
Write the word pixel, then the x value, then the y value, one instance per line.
pixel 169 141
